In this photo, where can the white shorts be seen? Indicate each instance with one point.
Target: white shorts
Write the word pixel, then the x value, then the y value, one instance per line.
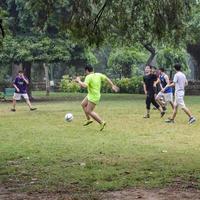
pixel 168 97
pixel 179 99
pixel 18 96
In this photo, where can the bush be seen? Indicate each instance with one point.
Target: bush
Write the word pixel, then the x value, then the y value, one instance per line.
pixel 67 85
pixel 126 85
pixel 129 85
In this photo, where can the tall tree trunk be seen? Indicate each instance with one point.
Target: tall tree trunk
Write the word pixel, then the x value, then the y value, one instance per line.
pixel 152 51
pixel 194 51
pixel 16 67
pixel 46 71
pixel 27 73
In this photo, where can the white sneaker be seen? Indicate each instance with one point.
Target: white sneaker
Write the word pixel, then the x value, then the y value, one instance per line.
pixel 191 120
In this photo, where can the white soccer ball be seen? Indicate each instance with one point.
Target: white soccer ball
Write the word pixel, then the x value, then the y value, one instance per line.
pixel 69 117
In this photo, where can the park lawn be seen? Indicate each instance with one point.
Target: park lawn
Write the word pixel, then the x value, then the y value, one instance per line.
pixel 39 151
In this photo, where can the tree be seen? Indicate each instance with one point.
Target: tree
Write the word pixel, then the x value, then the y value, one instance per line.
pixel 193 42
pixel 123 61
pixel 168 56
pixel 119 21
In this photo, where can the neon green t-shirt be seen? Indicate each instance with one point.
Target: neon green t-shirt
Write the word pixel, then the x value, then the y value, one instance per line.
pixel 93 82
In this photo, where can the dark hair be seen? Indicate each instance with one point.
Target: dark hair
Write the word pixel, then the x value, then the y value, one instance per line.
pixel 177 67
pixel 89 68
pixel 149 66
pixel 161 69
pixel 21 71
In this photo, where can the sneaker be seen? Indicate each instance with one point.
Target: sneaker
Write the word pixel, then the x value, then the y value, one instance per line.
pixel 162 114
pixel 169 120
pixel 13 109
pixel 102 126
pixel 32 109
pixel 88 122
pixel 191 120
pixel 146 116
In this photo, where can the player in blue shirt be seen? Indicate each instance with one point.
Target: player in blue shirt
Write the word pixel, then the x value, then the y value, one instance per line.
pixel 167 94
pixel 20 84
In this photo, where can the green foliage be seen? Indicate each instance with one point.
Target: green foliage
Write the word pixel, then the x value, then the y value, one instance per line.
pixel 90 56
pixel 125 62
pixel 194 25
pixel 167 57
pixel 126 85
pixel 96 21
pixel 68 85
pixel 130 85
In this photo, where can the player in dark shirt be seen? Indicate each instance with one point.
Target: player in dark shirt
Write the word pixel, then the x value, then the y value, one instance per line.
pixel 20 85
pixel 149 81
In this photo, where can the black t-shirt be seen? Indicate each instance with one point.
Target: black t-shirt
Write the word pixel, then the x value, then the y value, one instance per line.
pixel 149 82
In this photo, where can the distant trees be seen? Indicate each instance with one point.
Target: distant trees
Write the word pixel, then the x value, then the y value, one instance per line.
pixel 125 62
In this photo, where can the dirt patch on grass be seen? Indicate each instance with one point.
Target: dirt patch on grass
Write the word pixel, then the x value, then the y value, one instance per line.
pixel 179 190
pixel 155 194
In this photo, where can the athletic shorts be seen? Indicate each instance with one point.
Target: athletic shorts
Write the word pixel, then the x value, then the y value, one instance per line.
pixel 179 99
pixel 168 97
pixel 18 96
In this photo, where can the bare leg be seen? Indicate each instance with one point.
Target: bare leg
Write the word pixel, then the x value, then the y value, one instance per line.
pixel 14 103
pixel 187 111
pixel 172 105
pixel 174 112
pixel 28 103
pixel 84 104
pixel 95 116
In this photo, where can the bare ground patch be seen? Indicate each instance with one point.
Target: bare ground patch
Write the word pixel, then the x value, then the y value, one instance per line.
pixel 179 190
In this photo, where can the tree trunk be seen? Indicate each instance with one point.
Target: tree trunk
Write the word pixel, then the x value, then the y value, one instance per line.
pixel 149 47
pixel 194 51
pixel 16 67
pixel 46 71
pixel 27 73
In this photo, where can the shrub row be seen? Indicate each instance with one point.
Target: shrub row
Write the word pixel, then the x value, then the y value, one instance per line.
pixel 126 85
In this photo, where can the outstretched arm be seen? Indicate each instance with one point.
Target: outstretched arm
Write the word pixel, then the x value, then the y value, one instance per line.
pixel 82 84
pixel 114 87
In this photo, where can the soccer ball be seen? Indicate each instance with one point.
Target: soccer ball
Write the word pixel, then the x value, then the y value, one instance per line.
pixel 69 117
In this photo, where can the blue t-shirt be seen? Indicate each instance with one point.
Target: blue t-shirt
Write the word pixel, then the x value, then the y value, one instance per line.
pixel 21 84
pixel 164 83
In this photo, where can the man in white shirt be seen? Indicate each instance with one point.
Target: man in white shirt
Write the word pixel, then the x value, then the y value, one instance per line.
pixel 179 82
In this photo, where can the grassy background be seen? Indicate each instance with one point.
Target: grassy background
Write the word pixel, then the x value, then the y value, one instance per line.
pixel 39 151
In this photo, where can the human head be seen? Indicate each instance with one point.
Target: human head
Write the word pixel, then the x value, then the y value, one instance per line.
pixel 177 67
pixel 161 70
pixel 88 69
pixel 20 73
pixel 148 69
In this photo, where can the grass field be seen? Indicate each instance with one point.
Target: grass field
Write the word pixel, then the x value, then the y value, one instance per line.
pixel 41 152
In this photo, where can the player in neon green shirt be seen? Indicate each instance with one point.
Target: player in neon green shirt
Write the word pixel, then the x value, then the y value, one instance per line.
pixel 93 84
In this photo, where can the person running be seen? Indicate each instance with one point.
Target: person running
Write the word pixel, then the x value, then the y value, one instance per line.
pixel 179 82
pixel 149 81
pixel 167 95
pixel 93 84
pixel 20 85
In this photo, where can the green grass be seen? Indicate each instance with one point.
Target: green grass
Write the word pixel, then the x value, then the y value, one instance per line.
pixel 39 151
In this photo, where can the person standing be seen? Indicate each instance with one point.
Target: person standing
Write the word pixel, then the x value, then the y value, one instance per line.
pixel 179 82
pixel 93 84
pixel 20 84
pixel 149 81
